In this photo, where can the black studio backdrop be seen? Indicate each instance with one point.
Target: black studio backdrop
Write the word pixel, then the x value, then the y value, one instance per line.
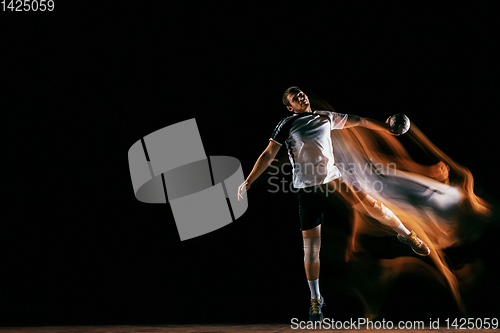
pixel 82 84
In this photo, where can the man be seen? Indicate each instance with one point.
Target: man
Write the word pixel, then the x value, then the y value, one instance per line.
pixel 306 135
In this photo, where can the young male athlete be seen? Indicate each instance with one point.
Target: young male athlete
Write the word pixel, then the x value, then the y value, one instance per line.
pixel 318 181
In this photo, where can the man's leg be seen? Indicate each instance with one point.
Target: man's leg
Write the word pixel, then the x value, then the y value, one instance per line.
pixel 384 215
pixel 310 209
pixel 366 204
pixel 312 245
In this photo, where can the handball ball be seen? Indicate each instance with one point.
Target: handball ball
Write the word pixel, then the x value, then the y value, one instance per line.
pixel 399 124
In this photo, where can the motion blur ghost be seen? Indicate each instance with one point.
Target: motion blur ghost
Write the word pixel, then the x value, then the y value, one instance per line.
pixel 436 200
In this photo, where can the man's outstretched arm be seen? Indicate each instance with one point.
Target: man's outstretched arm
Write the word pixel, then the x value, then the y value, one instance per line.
pixel 372 124
pixel 264 160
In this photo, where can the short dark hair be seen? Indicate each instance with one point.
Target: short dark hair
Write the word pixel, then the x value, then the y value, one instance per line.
pixel 291 90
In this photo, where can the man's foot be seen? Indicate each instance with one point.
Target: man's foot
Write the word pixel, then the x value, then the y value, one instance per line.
pixel 315 313
pixel 417 245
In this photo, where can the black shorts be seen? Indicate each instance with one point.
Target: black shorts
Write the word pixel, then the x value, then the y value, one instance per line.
pixel 314 201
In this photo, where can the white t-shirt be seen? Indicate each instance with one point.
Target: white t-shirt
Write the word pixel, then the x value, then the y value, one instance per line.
pixel 309 145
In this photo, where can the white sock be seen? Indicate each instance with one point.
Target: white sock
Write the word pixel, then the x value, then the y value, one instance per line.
pixel 401 229
pixel 314 286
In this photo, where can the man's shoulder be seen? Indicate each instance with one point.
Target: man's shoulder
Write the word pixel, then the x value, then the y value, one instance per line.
pixel 286 120
pixel 290 117
pixel 283 128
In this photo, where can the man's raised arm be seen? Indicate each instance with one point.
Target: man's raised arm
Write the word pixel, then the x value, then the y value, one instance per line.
pixel 264 160
pixel 353 120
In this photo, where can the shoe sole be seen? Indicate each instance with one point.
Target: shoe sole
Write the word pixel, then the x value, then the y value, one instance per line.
pixel 323 318
pixel 420 254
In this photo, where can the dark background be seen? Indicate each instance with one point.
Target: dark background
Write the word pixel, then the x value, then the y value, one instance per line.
pixel 81 84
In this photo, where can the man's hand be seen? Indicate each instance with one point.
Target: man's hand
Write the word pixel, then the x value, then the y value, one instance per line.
pixel 370 124
pixel 242 189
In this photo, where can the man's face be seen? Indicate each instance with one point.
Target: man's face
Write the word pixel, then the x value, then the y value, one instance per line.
pixel 299 102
